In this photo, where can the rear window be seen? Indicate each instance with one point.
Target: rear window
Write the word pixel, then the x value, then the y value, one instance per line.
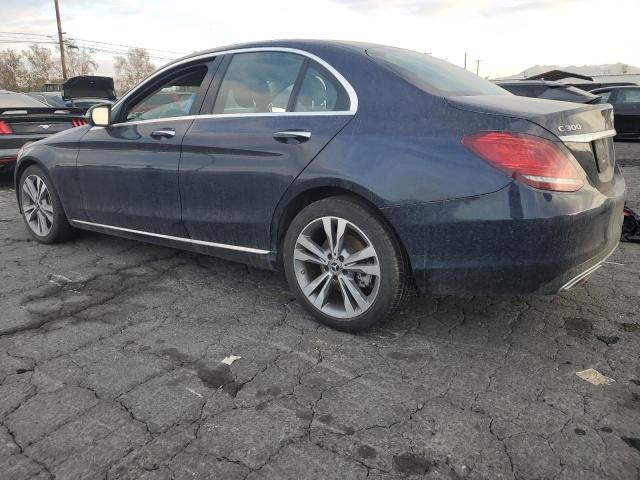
pixel 432 75
pixel 19 100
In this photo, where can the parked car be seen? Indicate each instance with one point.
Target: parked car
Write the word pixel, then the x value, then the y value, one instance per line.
pixel 549 90
pixel 626 109
pixel 359 170
pixel 24 119
pixel 79 92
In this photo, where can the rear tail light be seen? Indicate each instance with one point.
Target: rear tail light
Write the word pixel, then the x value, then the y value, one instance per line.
pixel 529 159
pixel 5 160
pixel 78 122
pixel 5 129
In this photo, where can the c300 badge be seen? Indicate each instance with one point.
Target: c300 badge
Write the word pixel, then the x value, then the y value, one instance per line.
pixel 573 127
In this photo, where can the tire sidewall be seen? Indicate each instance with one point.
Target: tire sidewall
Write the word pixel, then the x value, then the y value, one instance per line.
pixel 383 242
pixel 59 217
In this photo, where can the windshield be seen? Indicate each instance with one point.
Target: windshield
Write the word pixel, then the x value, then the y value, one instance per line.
pixel 433 75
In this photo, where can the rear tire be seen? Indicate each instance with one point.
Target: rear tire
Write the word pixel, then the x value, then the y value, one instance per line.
pixel 41 208
pixel 344 264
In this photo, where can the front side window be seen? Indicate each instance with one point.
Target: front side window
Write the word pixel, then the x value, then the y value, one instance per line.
pixel 604 97
pixel 320 92
pixel 258 82
pixel 431 74
pixel 173 99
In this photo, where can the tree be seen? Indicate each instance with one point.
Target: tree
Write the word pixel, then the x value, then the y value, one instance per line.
pixel 12 70
pixel 80 61
pixel 132 69
pixel 39 67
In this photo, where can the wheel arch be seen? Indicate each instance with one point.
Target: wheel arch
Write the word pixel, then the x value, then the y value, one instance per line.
pixel 295 202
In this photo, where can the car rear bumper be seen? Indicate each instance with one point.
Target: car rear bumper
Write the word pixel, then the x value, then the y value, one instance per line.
pixel 517 240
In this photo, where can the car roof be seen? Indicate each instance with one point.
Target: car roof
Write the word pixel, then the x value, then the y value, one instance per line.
pixel 531 82
pixel 359 47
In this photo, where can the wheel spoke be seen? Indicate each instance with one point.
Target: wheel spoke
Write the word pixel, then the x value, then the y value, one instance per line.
pixel 47 213
pixel 29 210
pixel 365 253
pixel 348 307
pixel 306 257
pixel 40 223
pixel 30 190
pixel 40 187
pixel 342 225
pixel 368 269
pixel 355 292
pixel 313 248
pixel 47 208
pixel 313 285
pixel 328 230
pixel 323 294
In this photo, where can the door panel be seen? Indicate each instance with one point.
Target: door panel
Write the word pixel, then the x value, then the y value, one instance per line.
pixel 233 172
pixel 128 171
pixel 129 177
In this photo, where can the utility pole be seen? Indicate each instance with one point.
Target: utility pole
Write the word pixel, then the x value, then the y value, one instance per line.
pixel 62 60
pixel 465 60
pixel 478 60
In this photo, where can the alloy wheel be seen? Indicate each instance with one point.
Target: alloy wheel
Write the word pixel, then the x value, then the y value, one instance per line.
pixel 337 267
pixel 37 206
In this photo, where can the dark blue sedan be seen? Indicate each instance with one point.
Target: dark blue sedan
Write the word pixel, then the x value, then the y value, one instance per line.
pixel 360 170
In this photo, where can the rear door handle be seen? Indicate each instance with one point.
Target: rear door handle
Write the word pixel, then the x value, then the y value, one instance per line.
pixel 164 133
pixel 299 135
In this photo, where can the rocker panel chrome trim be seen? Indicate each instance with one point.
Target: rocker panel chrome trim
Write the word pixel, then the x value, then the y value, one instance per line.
pixel 177 239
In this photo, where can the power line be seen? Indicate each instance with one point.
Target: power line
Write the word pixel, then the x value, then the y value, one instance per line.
pixel 83 45
pixel 95 41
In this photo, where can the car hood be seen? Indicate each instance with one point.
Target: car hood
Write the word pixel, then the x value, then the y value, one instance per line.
pixel 560 118
pixel 89 87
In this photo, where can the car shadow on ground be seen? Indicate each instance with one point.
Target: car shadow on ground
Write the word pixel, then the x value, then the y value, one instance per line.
pixel 6 180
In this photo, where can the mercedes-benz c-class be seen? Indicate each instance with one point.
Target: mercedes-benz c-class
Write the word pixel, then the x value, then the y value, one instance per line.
pixel 359 170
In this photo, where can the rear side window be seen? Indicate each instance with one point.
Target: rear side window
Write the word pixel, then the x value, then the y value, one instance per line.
pixel 320 92
pixel 433 75
pixel 630 95
pixel 259 82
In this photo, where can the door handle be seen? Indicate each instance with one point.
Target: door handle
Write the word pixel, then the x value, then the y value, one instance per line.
pixel 299 135
pixel 164 133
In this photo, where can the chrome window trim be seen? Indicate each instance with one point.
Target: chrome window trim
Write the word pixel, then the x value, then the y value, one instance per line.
pixel 227 115
pixel 353 97
pixel 587 137
pixel 177 239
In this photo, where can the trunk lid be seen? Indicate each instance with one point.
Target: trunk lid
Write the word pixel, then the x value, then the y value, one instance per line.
pixel 40 121
pixel 585 130
pixel 87 86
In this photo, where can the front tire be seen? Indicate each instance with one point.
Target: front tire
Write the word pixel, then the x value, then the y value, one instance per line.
pixel 41 209
pixel 344 264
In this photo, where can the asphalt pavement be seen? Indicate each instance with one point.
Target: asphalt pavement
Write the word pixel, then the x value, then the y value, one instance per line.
pixel 122 360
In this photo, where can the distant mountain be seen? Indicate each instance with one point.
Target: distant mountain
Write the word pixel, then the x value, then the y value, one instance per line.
pixel 606 69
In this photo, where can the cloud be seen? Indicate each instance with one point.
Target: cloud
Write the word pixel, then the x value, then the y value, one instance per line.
pixel 454 8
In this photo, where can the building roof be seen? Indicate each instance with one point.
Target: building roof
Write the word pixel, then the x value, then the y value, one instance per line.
pixel 559 75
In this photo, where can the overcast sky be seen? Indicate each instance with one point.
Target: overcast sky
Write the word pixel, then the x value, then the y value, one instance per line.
pixel 508 35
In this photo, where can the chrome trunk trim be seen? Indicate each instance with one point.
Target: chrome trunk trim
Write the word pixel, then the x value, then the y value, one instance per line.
pixel 588 137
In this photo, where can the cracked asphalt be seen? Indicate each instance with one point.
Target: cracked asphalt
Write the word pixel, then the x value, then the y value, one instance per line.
pixel 111 368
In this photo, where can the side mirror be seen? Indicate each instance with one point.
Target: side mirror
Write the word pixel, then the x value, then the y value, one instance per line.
pixel 99 116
